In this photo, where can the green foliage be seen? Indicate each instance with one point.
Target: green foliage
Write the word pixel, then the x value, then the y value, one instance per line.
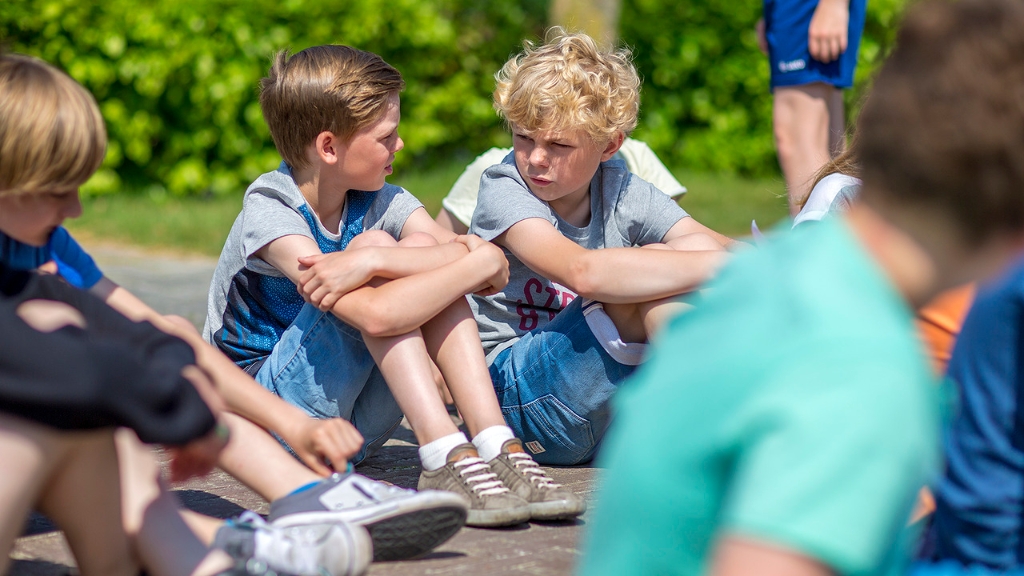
pixel 706 98
pixel 177 79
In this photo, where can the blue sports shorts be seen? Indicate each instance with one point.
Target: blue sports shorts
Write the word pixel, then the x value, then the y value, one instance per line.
pixel 786 25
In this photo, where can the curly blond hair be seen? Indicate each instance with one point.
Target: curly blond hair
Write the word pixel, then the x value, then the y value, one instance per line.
pixel 52 135
pixel 569 83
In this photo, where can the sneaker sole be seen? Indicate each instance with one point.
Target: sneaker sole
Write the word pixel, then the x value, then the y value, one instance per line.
pixel 559 510
pixel 498 518
pixel 400 535
pixel 412 535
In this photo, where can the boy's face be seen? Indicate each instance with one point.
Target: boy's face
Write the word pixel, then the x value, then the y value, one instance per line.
pixel 367 157
pixel 31 218
pixel 559 164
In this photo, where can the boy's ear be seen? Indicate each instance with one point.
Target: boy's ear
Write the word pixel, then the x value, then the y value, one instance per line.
pixel 613 146
pixel 328 147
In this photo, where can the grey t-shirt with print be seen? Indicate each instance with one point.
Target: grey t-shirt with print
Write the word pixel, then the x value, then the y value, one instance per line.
pixel 625 211
pixel 250 302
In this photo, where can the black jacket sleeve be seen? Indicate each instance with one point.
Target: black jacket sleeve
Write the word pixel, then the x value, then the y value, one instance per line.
pixel 115 372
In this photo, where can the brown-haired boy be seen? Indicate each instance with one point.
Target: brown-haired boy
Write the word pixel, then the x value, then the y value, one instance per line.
pixel 52 138
pixel 382 288
pixel 799 447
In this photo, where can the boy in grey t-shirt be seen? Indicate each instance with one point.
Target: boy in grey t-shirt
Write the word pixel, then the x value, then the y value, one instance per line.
pixel 381 291
pixel 582 299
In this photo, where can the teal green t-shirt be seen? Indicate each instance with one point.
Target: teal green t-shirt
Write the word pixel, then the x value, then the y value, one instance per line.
pixel 793 406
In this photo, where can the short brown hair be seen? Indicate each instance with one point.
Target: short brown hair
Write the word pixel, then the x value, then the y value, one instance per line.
pixel 569 82
pixel 943 128
pixel 324 88
pixel 52 135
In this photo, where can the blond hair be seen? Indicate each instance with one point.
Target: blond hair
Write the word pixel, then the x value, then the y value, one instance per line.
pixel 52 135
pixel 569 83
pixel 324 88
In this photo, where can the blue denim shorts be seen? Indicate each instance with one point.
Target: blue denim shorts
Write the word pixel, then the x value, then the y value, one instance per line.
pixel 554 385
pixel 321 365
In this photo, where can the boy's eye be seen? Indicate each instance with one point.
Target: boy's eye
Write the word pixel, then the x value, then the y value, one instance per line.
pixel 523 137
pixel 562 145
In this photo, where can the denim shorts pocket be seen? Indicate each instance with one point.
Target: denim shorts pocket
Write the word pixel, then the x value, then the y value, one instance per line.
pixel 551 431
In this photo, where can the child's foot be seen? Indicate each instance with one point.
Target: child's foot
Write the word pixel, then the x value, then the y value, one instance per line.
pixel 518 471
pixel 491 504
pixel 311 549
pixel 402 523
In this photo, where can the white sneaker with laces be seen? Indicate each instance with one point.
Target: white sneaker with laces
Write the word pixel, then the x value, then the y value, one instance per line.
pixel 309 549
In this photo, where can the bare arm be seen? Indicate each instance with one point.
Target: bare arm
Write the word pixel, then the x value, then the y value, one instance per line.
pixel 614 275
pixel 313 440
pixel 396 307
pixel 448 221
pixel 327 277
pixel 690 226
pixel 737 556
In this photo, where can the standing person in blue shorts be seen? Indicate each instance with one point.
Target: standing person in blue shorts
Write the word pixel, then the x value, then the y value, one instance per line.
pixel 812 49
pixel 786 424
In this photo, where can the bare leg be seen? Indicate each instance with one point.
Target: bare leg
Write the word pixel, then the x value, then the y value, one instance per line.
pixel 641 321
pixel 54 470
pixel 453 340
pixel 84 500
pixel 166 545
pixel 801 121
pixel 836 123
pixel 406 365
pixel 252 451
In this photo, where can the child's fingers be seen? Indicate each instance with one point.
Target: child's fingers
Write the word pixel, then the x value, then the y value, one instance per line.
pixel 329 301
pixel 311 259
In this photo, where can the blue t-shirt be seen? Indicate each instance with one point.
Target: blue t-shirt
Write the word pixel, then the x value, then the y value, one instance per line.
pixel 980 500
pixel 73 263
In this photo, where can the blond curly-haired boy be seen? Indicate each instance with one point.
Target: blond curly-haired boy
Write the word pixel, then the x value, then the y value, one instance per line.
pixel 582 297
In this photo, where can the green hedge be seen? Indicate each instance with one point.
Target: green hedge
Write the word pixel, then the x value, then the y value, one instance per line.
pixel 177 79
pixel 706 103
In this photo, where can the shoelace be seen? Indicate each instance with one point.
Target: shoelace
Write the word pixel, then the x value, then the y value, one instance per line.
pixel 296 548
pixel 531 470
pixel 478 476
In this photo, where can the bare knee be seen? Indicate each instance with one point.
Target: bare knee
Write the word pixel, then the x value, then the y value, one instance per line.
pixel 418 240
pixel 372 238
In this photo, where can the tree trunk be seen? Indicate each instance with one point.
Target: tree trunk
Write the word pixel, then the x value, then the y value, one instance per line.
pixel 598 18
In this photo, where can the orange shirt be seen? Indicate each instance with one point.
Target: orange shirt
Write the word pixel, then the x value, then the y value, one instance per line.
pixel 939 323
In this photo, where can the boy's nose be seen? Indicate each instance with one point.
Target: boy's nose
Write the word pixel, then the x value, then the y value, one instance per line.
pixel 400 144
pixel 73 206
pixel 538 156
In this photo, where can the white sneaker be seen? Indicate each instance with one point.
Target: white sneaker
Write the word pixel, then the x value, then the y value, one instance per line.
pixel 307 549
pixel 402 523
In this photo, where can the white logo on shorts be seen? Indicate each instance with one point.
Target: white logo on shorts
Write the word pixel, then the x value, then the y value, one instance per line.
pixel 535 447
pixel 792 65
